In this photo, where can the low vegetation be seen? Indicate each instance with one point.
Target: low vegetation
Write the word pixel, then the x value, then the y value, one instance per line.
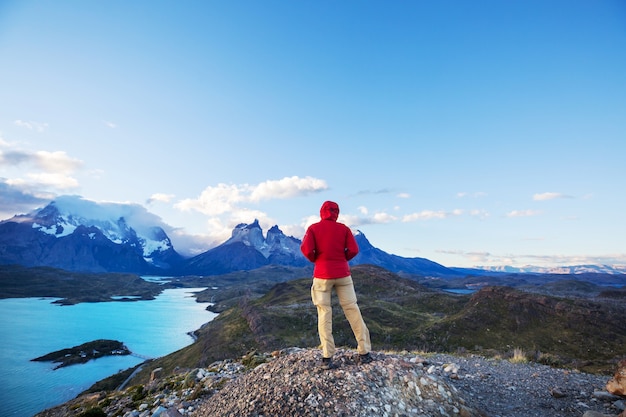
pixel 403 315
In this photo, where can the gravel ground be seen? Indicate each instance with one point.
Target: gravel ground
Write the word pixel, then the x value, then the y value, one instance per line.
pixel 293 385
pixel 503 389
pixel 290 383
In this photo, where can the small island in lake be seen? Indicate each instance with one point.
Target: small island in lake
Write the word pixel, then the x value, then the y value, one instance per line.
pixel 85 352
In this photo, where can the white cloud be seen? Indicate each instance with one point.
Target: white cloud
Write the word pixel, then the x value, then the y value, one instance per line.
pixel 287 187
pixel 220 228
pixel 95 173
pixel 55 162
pixel 44 169
pixel 296 231
pixel 485 258
pixel 15 199
pixel 56 180
pixel 313 219
pixel 217 200
pixel 245 215
pixel 403 195
pixel 482 214
pixel 37 126
pixel 383 218
pixel 110 124
pixel 224 203
pixel 549 196
pixel 226 198
pixel 356 221
pixel 523 213
pixel 51 162
pixel 160 197
pixel 478 194
pixel 430 214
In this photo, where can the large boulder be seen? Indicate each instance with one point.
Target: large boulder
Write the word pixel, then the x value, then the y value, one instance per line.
pixel 617 384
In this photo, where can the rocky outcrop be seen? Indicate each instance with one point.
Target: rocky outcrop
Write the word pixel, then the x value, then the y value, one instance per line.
pixel 617 384
pixel 291 383
pixel 294 385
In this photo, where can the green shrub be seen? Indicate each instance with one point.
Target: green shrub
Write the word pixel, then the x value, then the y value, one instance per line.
pixel 549 359
pixel 519 356
pixel 105 403
pixel 252 360
pixel 93 412
pixel 138 393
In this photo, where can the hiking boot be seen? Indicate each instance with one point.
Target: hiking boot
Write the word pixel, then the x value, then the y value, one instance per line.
pixel 366 358
pixel 327 363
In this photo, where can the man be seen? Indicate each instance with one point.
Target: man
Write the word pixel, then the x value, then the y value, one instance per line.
pixel 330 245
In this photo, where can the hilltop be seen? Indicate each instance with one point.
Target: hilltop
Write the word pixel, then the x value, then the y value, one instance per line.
pixel 569 346
pixel 402 314
pixel 290 383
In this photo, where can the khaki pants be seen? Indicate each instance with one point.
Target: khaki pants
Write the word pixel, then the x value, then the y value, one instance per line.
pixel 321 296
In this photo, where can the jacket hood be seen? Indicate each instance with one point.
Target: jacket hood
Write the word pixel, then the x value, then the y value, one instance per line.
pixel 329 211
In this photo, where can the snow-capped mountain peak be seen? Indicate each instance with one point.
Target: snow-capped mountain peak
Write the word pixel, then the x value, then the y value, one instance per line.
pixel 275 242
pixel 120 223
pixel 248 234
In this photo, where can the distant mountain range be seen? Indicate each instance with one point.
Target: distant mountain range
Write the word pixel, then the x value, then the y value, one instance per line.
pixel 575 269
pixel 80 235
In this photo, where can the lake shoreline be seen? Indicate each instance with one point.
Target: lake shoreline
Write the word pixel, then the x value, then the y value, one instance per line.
pixel 39 327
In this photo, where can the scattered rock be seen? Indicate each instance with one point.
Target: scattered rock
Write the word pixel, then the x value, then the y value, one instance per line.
pixel 557 393
pixel 290 382
pixel 617 384
pixel 295 385
pixel 596 414
pixel 155 374
pixel 605 396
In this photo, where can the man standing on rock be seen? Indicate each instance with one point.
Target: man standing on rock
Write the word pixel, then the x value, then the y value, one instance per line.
pixel 330 245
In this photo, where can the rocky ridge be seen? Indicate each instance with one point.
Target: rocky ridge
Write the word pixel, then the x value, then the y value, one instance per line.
pixel 291 383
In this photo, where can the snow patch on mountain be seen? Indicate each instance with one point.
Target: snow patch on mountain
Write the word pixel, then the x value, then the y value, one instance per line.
pixel 274 244
pixel 121 223
pixel 54 230
pixel 250 235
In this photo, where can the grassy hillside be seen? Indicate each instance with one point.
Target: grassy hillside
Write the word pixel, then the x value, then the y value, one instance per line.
pixel 586 334
pixel 404 315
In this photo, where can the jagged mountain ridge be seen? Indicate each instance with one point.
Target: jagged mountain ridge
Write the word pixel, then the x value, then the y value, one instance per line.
pixel 245 250
pixel 368 254
pixel 75 234
pixel 248 249
pixel 80 235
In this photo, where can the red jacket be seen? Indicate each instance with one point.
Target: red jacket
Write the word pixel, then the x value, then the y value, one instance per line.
pixel 329 244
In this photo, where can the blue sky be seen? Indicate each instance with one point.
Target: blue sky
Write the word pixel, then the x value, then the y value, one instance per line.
pixel 468 133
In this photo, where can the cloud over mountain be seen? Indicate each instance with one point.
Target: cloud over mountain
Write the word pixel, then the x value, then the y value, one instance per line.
pixel 550 196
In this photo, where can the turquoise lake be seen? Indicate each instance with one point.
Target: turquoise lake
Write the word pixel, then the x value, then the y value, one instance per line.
pixel 32 327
